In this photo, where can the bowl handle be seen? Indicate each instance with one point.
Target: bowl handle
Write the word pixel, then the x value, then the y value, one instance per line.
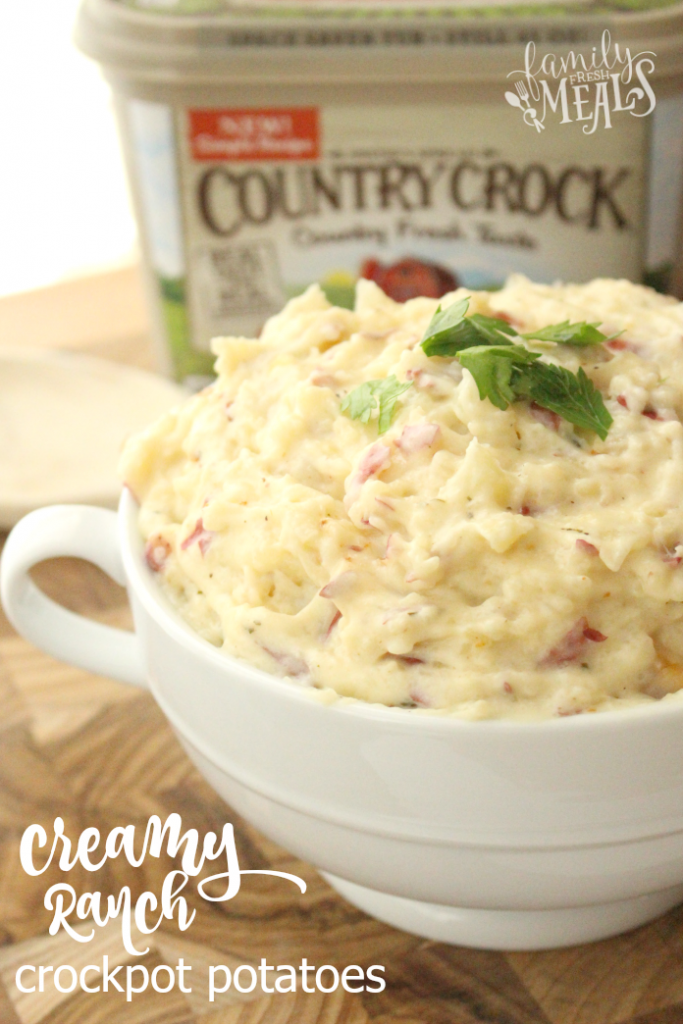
pixel 83 532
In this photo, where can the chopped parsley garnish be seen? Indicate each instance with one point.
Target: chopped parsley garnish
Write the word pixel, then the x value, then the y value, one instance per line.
pixel 581 334
pixel 360 403
pixel 497 370
pixel 508 373
pixel 450 331
pixel 505 371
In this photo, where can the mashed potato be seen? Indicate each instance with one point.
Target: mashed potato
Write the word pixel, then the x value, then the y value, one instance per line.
pixel 470 560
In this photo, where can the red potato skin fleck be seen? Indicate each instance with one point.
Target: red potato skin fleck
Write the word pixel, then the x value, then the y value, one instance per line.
pixel 594 635
pixel 375 335
pixel 499 315
pixel 372 462
pixel 199 536
pixel 324 380
pixel 525 511
pixel 587 547
pixel 651 414
pixel 621 345
pixel 545 416
pixel 374 459
pixel 335 619
pixel 621 399
pixel 572 644
pixel 157 550
pixel 291 663
pixel 420 379
pixel 405 659
pixel 417 436
pixel 338 585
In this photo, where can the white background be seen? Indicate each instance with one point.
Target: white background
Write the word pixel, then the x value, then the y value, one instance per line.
pixel 64 208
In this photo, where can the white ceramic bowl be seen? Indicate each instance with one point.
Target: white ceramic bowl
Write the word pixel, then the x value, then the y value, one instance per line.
pixel 493 834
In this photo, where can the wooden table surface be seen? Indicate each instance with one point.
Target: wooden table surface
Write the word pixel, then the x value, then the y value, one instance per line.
pixel 97 753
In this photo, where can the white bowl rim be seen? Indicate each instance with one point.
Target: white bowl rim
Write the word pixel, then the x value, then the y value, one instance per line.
pixel 169 619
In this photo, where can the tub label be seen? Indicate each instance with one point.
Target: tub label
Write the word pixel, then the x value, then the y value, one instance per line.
pixel 420 198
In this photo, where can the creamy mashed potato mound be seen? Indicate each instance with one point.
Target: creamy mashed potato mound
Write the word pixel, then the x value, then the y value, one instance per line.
pixel 470 561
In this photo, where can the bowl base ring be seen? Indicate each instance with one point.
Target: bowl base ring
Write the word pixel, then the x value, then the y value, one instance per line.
pixel 507 929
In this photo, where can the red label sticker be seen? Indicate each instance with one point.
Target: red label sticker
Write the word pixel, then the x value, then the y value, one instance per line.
pixel 286 133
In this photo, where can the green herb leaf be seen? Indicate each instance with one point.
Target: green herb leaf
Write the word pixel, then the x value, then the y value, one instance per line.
pixel 443 321
pixel 450 331
pixel 574 397
pixel 360 403
pixel 581 334
pixel 388 394
pixel 505 374
pixel 493 368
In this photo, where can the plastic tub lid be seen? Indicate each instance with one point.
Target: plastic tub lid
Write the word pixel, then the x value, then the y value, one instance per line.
pixel 381 8
pixel 301 41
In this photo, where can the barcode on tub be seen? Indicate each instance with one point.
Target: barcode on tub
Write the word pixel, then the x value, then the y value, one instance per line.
pixel 240 279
